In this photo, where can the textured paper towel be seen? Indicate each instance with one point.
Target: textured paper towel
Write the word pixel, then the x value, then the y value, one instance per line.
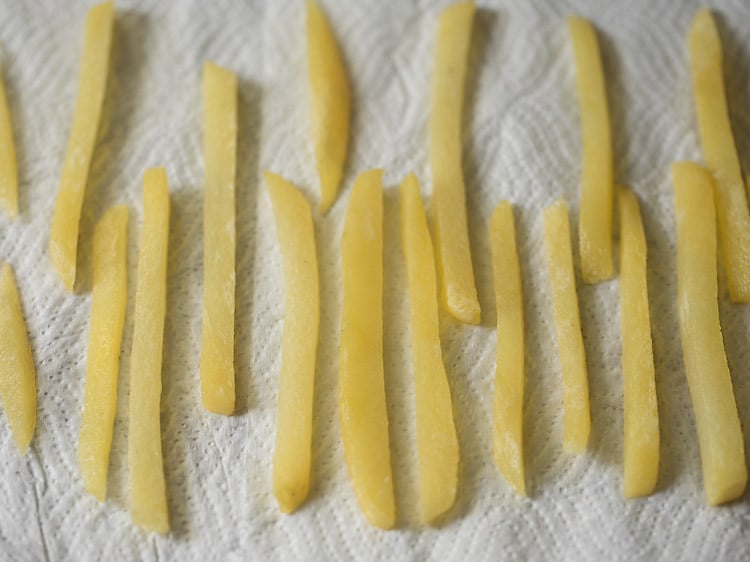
pixel 521 143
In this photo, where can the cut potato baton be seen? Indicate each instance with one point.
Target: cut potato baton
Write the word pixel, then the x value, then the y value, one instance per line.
pixel 17 372
pixel 63 239
pixel 509 372
pixel 458 292
pixel 576 417
pixel 296 233
pixel 148 497
pixel 719 432
pixel 641 415
pixel 362 407
pixel 437 444
pixel 8 164
pixel 108 301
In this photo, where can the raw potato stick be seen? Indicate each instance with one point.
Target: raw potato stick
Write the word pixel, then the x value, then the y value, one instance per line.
pixel 330 103
pixel 458 292
pixel 148 497
pixel 8 165
pixel 296 233
pixel 362 408
pixel 595 215
pixel 720 152
pixel 17 372
pixel 576 417
pixel 108 302
pixel 437 444
pixel 63 239
pixel 220 154
pixel 719 432
pixel 509 373
pixel 641 414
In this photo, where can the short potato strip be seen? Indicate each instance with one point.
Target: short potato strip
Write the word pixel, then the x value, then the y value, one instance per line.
pixel 719 432
pixel 220 153
pixel 595 217
pixel 362 407
pixel 509 373
pixel 105 334
pixel 641 419
pixel 8 165
pixel 437 444
pixel 17 372
pixel 148 498
pixel 296 233
pixel 720 152
pixel 458 292
pixel 576 417
pixel 63 240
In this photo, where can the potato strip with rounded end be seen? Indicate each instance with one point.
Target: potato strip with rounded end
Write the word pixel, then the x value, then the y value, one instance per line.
pixel 437 444
pixel 576 417
pixel 362 407
pixel 8 164
pixel 509 373
pixel 17 372
pixel 720 152
pixel 719 432
pixel 92 81
pixel 108 302
pixel 595 215
pixel 296 233
pixel 330 103
pixel 641 414
pixel 458 292
pixel 220 154
pixel 148 497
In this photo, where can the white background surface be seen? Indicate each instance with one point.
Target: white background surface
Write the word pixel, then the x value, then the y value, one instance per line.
pixel 521 143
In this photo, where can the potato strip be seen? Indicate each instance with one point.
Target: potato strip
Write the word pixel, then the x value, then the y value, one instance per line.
pixel 8 164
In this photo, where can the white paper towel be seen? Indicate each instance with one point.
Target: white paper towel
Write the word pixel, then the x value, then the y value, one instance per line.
pixel 522 143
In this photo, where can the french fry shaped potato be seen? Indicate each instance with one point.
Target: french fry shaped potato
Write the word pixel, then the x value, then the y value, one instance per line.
pixel 8 165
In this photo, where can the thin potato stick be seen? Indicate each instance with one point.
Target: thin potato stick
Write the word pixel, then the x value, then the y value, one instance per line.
pixel 63 239
pixel 108 303
pixel 458 292
pixel 719 432
pixel 8 165
pixel 220 153
pixel 148 497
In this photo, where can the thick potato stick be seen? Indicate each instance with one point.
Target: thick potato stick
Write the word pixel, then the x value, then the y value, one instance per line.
pixel 595 216
pixel 458 292
pixel 63 239
pixel 576 417
pixel 148 497
pixel 220 154
pixel 296 233
pixel 362 408
pixel 719 432
pixel 108 301
pixel 641 416
pixel 437 444
pixel 8 164
pixel 509 372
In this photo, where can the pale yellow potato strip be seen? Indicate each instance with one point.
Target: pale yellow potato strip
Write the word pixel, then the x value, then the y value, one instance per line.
pixel 148 497
pixel 437 444
pixel 641 415
pixel 720 152
pixel 330 103
pixel 220 155
pixel 108 302
pixel 719 432
pixel 362 407
pixel 575 384
pixel 8 164
pixel 296 233
pixel 63 239
pixel 595 214
pixel 17 372
pixel 509 372
pixel 458 292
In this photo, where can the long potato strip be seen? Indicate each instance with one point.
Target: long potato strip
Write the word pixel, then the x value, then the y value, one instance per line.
pixel 8 164
pixel 63 239
pixel 719 432
pixel 220 153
